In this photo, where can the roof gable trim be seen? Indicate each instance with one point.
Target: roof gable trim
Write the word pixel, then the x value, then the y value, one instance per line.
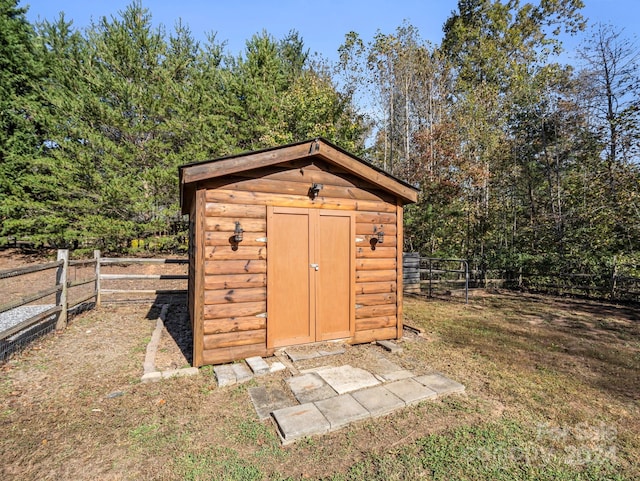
pixel 315 148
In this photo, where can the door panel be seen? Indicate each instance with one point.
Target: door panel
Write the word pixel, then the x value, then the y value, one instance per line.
pixel 288 278
pixel 305 304
pixel 333 299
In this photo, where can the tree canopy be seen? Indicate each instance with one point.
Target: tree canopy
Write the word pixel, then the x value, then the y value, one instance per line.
pixel 522 160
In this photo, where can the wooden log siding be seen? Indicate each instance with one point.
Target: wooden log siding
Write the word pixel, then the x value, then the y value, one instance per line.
pixel 376 277
pixel 234 281
pixel 240 252
pixel 225 296
pixel 375 287
pixel 196 276
pixel 235 292
pixel 367 229
pixel 234 324
pixel 234 304
pixel 263 198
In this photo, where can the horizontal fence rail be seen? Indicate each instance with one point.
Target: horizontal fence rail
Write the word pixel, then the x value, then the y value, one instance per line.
pixel 434 271
pixel 144 276
pixel 29 323
pixel 140 260
pixel 620 283
pixel 29 299
pixel 20 271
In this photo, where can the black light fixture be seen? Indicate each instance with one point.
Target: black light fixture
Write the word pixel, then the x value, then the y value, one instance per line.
pixel 314 190
pixel 237 233
pixel 379 233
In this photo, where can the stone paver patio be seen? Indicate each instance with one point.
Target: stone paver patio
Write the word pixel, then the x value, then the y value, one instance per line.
pixel 331 397
pixel 344 400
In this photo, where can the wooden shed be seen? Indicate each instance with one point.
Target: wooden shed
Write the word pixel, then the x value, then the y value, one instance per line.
pixel 292 245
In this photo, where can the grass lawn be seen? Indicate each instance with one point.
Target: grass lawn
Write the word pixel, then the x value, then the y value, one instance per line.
pixel 552 392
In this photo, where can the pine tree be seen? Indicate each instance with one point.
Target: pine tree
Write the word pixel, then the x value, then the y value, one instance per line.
pixel 23 210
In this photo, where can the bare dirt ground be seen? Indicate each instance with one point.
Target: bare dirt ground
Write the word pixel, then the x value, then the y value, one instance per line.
pixel 553 372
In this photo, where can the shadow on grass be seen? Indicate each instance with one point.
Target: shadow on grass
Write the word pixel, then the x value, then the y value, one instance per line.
pixel 176 321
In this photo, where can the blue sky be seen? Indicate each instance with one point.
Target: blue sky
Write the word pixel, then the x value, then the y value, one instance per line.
pixel 322 25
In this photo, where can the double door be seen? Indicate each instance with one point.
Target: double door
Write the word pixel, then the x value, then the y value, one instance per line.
pixel 310 275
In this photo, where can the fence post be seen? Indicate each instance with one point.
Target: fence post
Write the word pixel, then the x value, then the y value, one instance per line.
pixel 466 281
pixel 96 256
pixel 614 277
pixel 61 295
pixel 520 277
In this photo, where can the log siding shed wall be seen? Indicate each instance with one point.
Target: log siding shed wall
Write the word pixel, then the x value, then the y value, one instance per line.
pixel 228 295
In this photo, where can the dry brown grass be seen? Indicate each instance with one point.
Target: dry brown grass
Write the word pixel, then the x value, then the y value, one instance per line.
pixel 526 361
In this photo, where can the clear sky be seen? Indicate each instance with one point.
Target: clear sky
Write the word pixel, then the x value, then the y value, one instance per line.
pixel 322 24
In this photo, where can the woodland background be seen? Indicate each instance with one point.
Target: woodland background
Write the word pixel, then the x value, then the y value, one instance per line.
pixel 523 162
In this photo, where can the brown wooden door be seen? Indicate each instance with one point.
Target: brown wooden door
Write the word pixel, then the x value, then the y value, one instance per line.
pixel 310 275
pixel 289 278
pixel 335 277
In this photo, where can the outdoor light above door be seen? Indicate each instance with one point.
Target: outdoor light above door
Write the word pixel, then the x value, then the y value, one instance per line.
pixel 314 190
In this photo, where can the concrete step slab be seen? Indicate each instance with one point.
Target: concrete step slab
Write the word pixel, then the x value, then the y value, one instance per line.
pixel 381 365
pixel 344 379
pixel 342 410
pixel 440 384
pixel 397 375
pixel 301 356
pixel 297 422
pixel 306 354
pixel 277 366
pixel 314 369
pixel 310 387
pixel 387 370
pixel 378 400
pixel 225 375
pixel 242 371
pixel 410 391
pixel 265 401
pixel 330 352
pixel 390 346
pixel 258 365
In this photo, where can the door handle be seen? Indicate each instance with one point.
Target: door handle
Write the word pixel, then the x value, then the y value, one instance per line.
pixel 315 266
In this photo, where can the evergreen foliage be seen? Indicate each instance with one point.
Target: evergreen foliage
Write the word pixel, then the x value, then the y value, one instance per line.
pixel 96 122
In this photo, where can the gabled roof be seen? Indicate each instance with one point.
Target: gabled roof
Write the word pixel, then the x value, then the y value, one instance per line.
pixel 317 148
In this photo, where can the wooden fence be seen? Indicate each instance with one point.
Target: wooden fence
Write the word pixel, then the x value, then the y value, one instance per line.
pixel 619 282
pixel 426 274
pixel 119 261
pixel 64 303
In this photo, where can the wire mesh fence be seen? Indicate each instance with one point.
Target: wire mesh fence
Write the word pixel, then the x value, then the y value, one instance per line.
pixel 15 343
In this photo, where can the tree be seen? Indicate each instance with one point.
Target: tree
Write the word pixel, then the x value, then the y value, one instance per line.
pixel 116 97
pixel 97 122
pixel 609 92
pixel 610 79
pixel 499 52
pixel 21 122
pixel 284 97
pixel 398 74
